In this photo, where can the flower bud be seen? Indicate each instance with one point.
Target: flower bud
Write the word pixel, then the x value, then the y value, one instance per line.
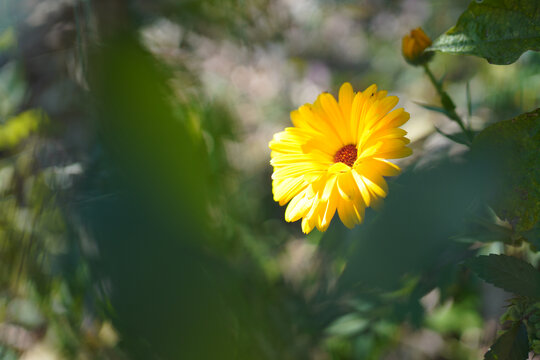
pixel 414 46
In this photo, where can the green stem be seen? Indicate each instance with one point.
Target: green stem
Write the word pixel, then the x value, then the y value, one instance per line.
pixel 433 80
pixel 448 104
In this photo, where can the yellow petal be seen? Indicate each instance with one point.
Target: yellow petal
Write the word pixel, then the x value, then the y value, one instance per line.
pixel 347 187
pixel 312 217
pixel 394 119
pixel 370 151
pixel 362 187
pixel 381 94
pixel 350 213
pixel 361 103
pixel 370 99
pixel 285 189
pixel 284 147
pixel 290 159
pixel 376 183
pixel 339 167
pixel 330 210
pixel 299 170
pixel 371 139
pixel 307 225
pixel 346 95
pixel 316 187
pixel 318 122
pixel 386 168
pixel 333 112
pixel 329 187
pixel 300 121
pixel 297 208
pixel 393 149
pixel 323 145
pixel 378 110
pixel 373 170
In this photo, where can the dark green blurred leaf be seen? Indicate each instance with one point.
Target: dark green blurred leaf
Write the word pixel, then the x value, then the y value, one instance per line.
pixel 413 233
pixel 533 236
pixel 157 149
pixel 514 146
pixel 497 30
pixel 173 290
pixel 512 345
pixel 508 273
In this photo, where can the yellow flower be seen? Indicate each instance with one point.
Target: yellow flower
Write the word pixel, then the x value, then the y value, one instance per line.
pixel 413 47
pixel 334 158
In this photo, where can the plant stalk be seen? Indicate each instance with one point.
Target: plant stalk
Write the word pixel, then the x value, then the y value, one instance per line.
pixel 448 104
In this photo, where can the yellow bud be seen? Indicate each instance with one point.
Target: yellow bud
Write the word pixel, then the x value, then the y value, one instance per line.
pixel 414 46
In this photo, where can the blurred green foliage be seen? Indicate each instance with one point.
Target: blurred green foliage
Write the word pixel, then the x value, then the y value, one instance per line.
pixel 137 220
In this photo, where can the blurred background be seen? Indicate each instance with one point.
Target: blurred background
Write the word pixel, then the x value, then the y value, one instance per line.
pixel 136 213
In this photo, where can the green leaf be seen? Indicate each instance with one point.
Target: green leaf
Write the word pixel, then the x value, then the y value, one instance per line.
pixel 447 102
pixel 513 146
pixel 512 345
pixel 433 108
pixel 347 325
pixel 459 138
pixel 508 273
pixel 497 30
pixel 485 230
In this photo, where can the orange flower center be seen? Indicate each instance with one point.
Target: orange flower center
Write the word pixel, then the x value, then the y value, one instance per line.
pixel 346 155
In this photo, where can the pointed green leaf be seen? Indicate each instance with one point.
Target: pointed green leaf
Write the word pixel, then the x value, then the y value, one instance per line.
pixel 497 30
pixel 508 273
pixel 459 138
pixel 512 345
pixel 433 108
pixel 484 230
